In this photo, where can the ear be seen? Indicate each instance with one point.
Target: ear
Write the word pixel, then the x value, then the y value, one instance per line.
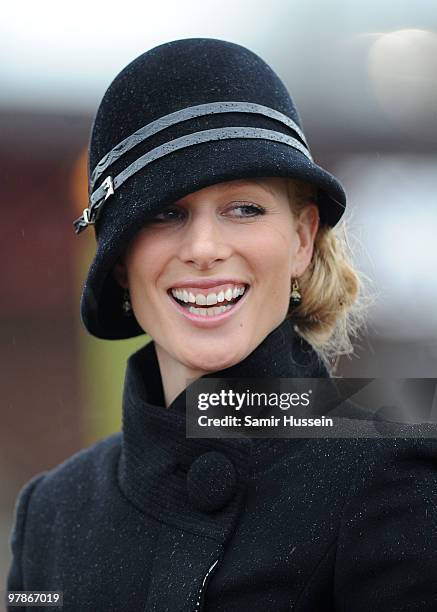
pixel 119 272
pixel 307 225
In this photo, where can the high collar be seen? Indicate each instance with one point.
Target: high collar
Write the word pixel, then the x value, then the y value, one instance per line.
pixel 161 471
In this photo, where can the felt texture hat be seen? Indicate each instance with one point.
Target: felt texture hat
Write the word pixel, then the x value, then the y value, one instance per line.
pixel 180 117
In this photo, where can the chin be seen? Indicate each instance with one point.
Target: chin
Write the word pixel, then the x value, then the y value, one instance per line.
pixel 213 363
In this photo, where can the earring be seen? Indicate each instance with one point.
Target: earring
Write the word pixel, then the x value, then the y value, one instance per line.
pixel 295 296
pixel 126 304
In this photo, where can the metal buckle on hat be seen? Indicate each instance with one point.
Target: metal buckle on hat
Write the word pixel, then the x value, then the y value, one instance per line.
pixel 109 186
pixel 90 214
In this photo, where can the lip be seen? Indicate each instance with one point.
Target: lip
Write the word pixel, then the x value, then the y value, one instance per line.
pixel 207 283
pixel 207 321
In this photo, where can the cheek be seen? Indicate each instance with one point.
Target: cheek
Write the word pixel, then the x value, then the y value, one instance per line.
pixel 273 254
pixel 272 267
pixel 145 259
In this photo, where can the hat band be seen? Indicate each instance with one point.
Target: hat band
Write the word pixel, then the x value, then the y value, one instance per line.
pixel 110 185
pixel 185 114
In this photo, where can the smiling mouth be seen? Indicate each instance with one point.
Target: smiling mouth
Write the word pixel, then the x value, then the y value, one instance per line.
pixel 209 310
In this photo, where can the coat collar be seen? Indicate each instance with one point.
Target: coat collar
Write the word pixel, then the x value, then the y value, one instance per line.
pixel 191 482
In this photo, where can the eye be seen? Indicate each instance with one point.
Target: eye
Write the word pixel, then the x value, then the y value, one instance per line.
pixel 171 213
pixel 240 210
pixel 245 209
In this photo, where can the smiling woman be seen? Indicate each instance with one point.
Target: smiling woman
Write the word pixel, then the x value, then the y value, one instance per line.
pixel 235 243
pixel 217 234
pixel 213 233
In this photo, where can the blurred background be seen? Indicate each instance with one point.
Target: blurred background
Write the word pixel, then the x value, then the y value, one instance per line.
pixel 364 77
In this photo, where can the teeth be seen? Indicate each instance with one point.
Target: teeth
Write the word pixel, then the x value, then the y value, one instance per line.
pixel 201 299
pixel 215 310
pixel 209 299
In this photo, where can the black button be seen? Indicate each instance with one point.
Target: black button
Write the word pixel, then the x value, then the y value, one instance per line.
pixel 211 482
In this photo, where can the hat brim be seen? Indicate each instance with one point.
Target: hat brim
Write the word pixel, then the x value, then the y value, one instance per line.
pixel 160 184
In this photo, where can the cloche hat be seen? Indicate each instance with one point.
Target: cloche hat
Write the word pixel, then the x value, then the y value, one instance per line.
pixel 183 116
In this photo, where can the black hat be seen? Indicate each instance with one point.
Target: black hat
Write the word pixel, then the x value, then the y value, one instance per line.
pixel 180 117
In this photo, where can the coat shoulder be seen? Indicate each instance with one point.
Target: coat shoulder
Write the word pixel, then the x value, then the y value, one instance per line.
pixel 84 473
pixel 60 494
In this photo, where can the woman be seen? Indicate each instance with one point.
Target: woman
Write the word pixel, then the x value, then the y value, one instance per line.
pixel 214 230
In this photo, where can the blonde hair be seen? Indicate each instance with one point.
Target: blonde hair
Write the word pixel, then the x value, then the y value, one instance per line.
pixel 334 301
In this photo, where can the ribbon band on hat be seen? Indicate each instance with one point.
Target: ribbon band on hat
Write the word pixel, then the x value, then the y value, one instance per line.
pixel 185 114
pixel 108 187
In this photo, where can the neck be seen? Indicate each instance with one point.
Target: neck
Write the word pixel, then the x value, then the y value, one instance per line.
pixel 174 374
pixel 281 353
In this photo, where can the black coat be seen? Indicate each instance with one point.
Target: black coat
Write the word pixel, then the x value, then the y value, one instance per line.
pixel 148 519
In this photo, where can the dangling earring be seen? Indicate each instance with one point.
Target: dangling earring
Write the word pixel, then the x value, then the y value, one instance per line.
pixel 295 296
pixel 126 304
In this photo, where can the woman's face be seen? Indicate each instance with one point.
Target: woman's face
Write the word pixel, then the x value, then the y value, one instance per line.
pixel 209 278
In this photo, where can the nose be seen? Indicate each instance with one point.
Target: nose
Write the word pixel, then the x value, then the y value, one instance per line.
pixel 204 242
